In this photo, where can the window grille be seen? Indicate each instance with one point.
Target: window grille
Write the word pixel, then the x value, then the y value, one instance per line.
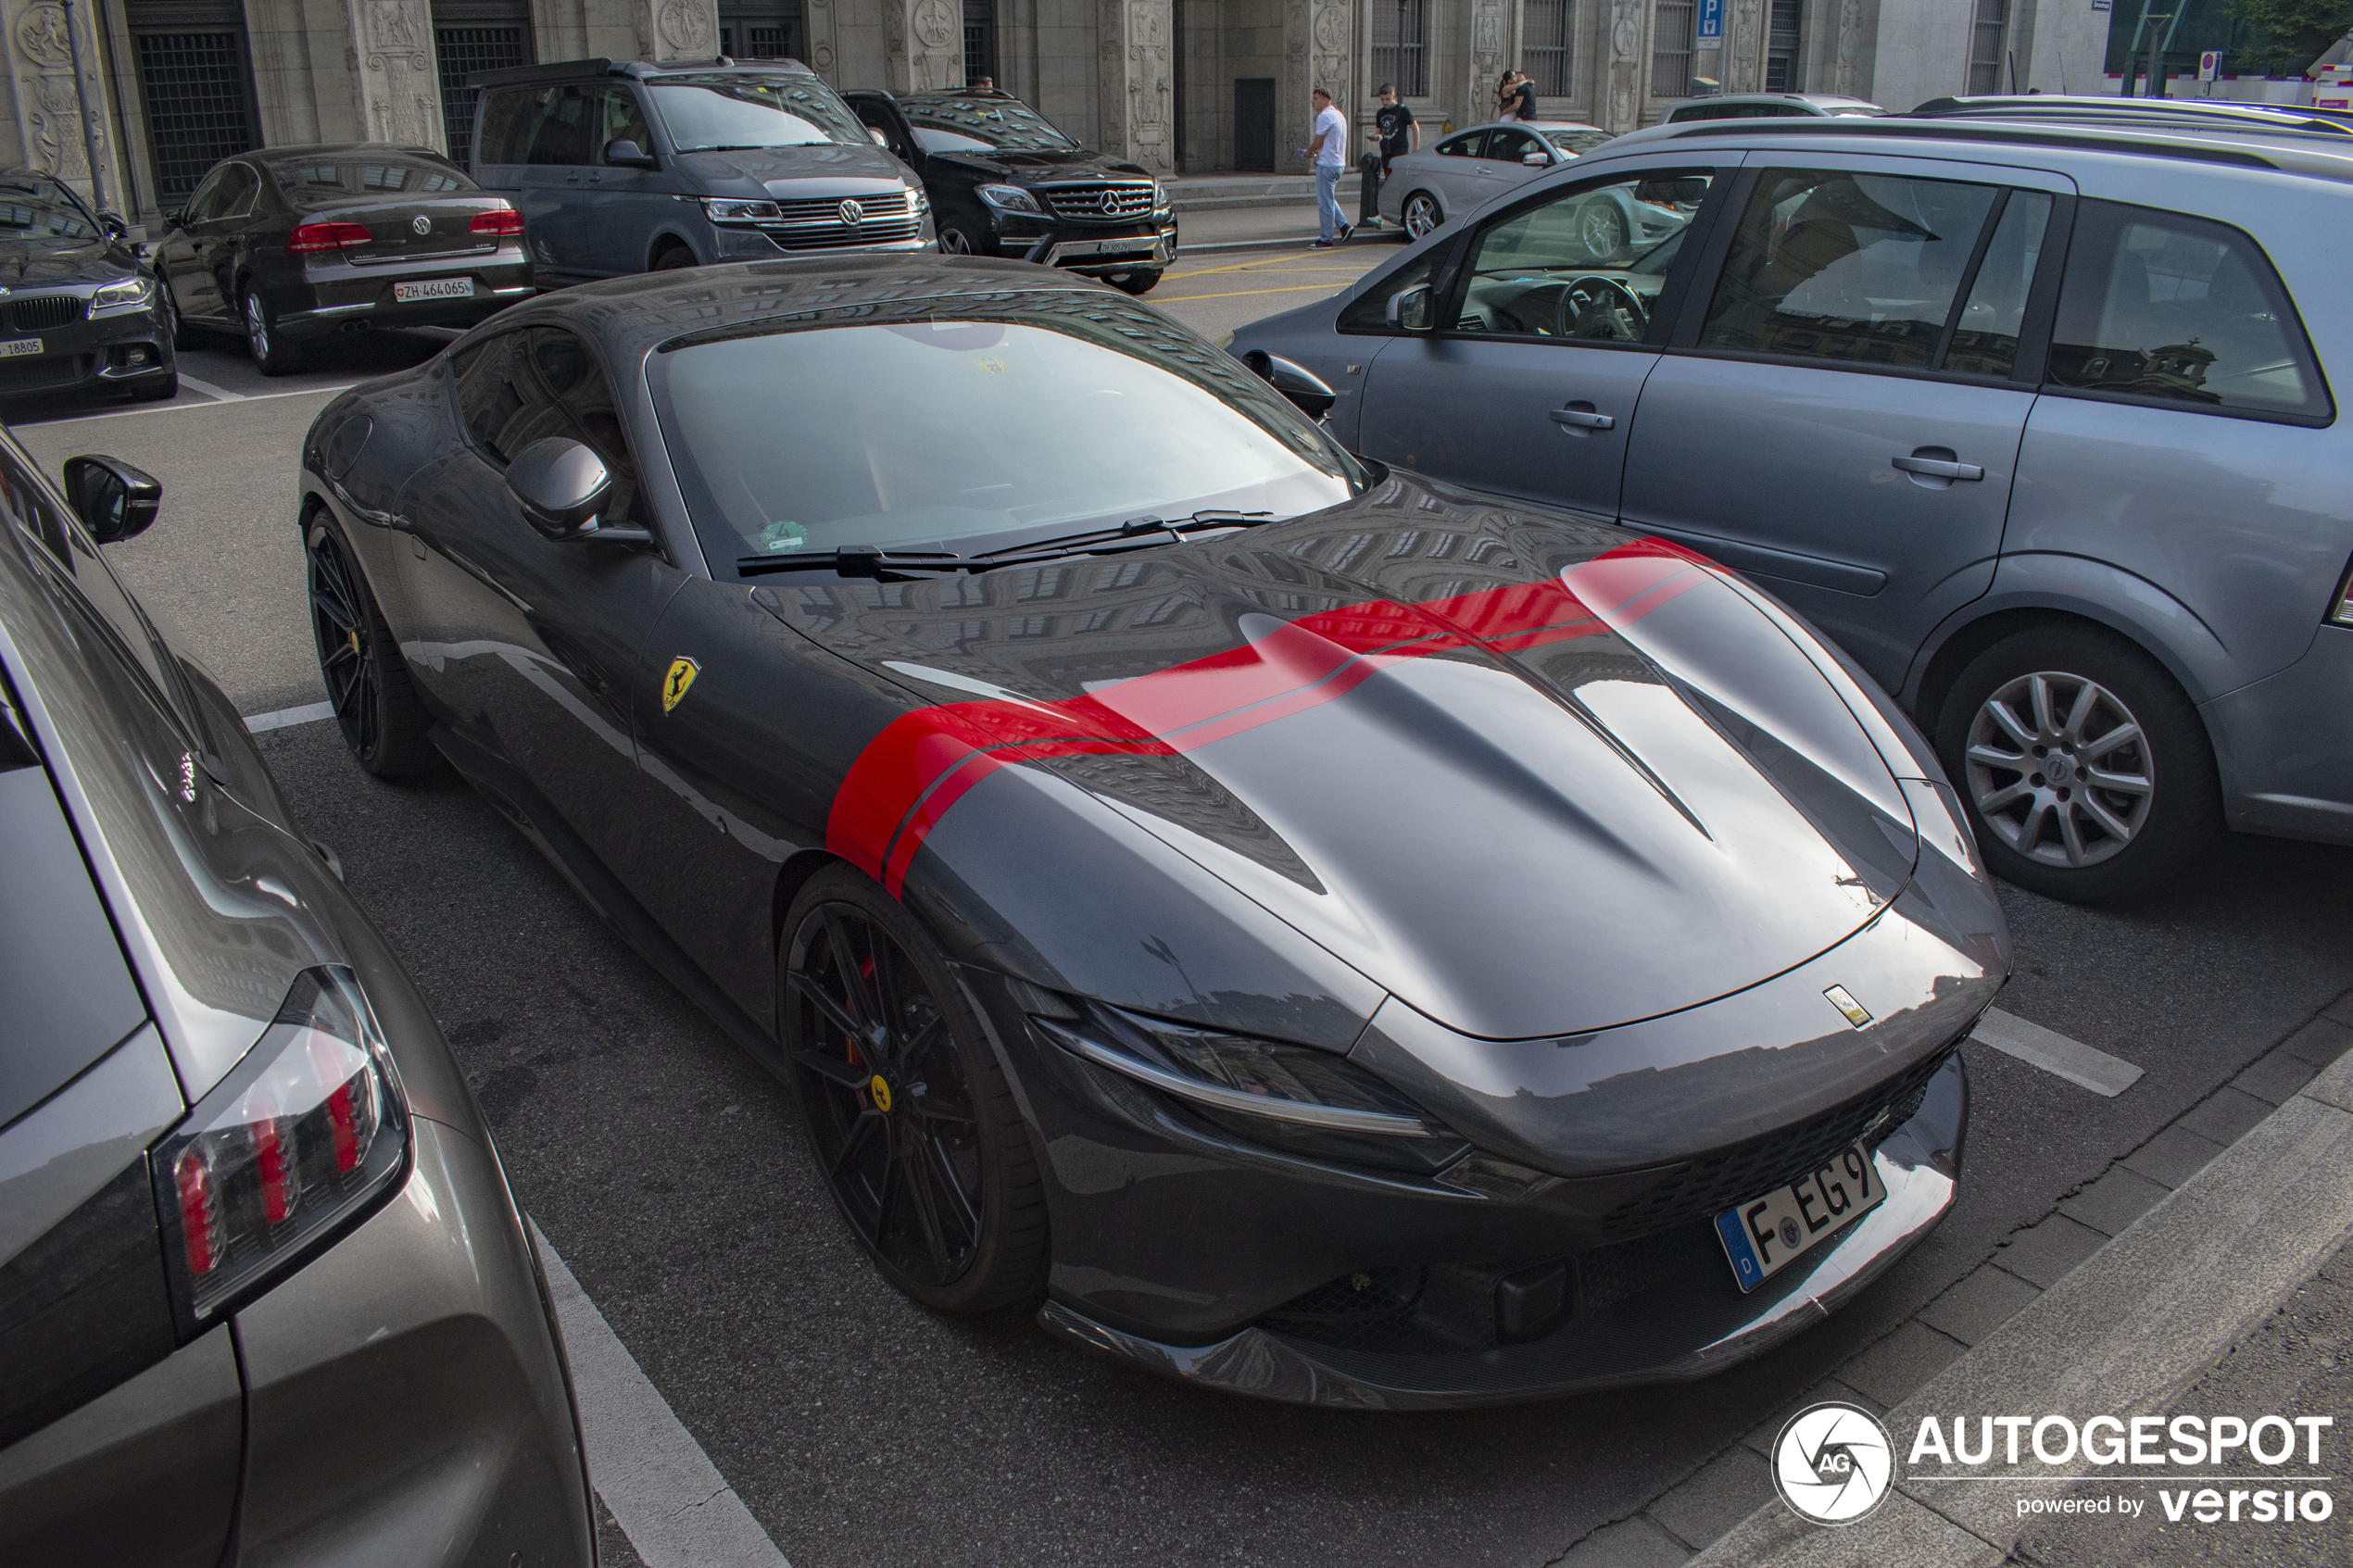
pixel 193 87
pixel 980 40
pixel 1782 44
pixel 1671 49
pixel 459 52
pixel 1985 45
pixel 1545 50
pixel 1400 45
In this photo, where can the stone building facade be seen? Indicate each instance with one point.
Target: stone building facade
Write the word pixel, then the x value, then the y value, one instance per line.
pixel 159 89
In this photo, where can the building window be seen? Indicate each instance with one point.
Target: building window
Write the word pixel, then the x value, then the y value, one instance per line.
pixel 1781 47
pixel 1985 45
pixel 980 40
pixel 193 87
pixel 1544 54
pixel 459 52
pixel 757 30
pixel 1672 50
pixel 1400 45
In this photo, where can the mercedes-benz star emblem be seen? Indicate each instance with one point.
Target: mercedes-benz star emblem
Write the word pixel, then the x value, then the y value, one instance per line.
pixel 421 223
pixel 852 214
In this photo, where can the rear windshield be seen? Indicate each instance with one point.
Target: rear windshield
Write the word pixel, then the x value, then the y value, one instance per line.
pixel 715 113
pixel 976 434
pixel 1576 143
pixel 970 124
pixel 43 212
pixel 378 174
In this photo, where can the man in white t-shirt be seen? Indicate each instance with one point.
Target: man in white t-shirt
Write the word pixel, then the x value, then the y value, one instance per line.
pixel 1330 152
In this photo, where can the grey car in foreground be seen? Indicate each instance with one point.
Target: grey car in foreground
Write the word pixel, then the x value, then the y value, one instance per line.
pixel 265 1296
pixel 2035 422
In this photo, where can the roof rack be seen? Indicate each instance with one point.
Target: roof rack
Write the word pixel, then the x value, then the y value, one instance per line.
pixel 2279 117
pixel 637 70
pixel 1968 129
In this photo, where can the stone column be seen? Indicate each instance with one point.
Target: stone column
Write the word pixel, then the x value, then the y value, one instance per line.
pixel 1847 71
pixel 399 90
pixel 1134 78
pixel 923 45
pixel 1627 81
pixel 660 31
pixel 818 21
pixel 1744 46
pixel 1487 59
pixel 48 111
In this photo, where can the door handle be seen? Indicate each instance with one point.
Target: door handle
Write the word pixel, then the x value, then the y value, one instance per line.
pixel 1580 416
pixel 1939 468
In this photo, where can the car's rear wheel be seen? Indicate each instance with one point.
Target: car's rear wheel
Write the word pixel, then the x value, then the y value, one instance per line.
pixel 183 336
pixel 272 355
pixel 910 1121
pixel 1141 281
pixel 2087 771
pixel 1601 229
pixel 1422 214
pixel 671 259
pixel 376 707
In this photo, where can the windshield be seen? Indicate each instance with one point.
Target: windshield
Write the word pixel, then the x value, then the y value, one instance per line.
pixel 707 113
pixel 383 174
pixel 1576 144
pixel 42 211
pixel 943 125
pixel 972 435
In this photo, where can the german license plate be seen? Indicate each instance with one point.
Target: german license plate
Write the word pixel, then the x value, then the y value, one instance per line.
pixel 20 348
pixel 1765 1233
pixel 440 288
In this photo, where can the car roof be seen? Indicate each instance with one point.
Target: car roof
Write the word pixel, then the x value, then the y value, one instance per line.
pixel 2041 105
pixel 639 71
pixel 2245 145
pixel 1810 99
pixel 303 152
pixel 1527 125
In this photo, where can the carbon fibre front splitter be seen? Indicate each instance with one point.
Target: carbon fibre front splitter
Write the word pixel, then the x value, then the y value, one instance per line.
pixel 1678 1331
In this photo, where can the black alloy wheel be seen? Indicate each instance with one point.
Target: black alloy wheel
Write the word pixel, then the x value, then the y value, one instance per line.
pixel 375 706
pixel 675 259
pixel 2088 773
pixel 183 336
pixel 273 354
pixel 954 242
pixel 910 1120
pixel 1141 281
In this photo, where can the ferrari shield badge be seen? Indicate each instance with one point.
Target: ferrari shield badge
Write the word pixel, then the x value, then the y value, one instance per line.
pixel 683 672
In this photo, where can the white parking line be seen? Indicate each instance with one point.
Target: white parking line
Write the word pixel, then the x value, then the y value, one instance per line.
pixel 2071 1059
pixel 309 713
pixel 663 1491
pixel 183 407
pixel 220 394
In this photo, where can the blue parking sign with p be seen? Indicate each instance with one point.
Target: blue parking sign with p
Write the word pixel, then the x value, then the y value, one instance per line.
pixel 1711 20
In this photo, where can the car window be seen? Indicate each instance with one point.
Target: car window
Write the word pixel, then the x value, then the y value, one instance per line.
pixel 709 113
pixel 1576 143
pixel 1368 312
pixel 38 211
pixel 1985 336
pixel 519 386
pixel 1586 263
pixel 1510 146
pixel 1863 269
pixel 381 172
pixel 1463 145
pixel 625 121
pixel 558 126
pixel 507 122
pixel 2180 310
pixel 238 185
pixel 1006 124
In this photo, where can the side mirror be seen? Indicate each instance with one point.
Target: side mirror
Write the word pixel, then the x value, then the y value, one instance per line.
pixel 561 486
pixel 1537 160
pixel 113 499
pixel 880 140
pixel 1408 309
pixel 1310 394
pixel 113 224
pixel 172 217
pixel 626 154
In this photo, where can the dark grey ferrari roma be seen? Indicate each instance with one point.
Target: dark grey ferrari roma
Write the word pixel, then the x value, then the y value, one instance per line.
pixel 265 1296
pixel 1296 926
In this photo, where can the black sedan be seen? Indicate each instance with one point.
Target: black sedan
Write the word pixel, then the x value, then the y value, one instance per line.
pixel 265 1296
pixel 77 310
pixel 290 244
pixel 1311 930
pixel 1004 181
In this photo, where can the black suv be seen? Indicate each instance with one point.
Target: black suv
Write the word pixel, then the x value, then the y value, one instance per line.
pixel 1003 182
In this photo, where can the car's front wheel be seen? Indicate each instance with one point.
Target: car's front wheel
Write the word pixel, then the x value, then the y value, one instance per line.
pixel 910 1121
pixel 2086 768
pixel 1601 229
pixel 376 707
pixel 1141 281
pixel 954 242
pixel 1422 214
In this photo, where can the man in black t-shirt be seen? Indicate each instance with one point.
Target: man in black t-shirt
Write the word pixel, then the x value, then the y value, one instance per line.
pixel 1395 133
pixel 1523 93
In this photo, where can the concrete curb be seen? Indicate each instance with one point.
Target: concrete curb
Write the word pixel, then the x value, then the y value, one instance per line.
pixel 2123 1332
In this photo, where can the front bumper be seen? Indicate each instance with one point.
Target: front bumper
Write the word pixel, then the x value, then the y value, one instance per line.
pixel 122 349
pixel 1091 249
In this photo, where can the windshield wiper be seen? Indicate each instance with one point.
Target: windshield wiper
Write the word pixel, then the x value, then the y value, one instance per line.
pixel 856 561
pixel 898 566
pixel 1135 534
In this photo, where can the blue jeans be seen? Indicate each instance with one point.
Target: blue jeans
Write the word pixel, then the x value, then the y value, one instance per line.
pixel 1328 200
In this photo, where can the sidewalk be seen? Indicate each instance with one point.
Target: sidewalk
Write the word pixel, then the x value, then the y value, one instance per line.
pixel 1265 227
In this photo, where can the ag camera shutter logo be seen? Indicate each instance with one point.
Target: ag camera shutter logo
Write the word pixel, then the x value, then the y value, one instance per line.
pixel 1833 1463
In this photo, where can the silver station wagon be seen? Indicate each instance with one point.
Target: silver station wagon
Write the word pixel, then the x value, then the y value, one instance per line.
pixel 2035 423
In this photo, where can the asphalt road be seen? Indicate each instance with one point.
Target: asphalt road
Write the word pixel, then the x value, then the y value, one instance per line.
pixel 668 1169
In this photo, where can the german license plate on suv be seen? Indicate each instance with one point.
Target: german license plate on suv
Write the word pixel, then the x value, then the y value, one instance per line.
pixel 22 346
pixel 1765 1233
pixel 439 288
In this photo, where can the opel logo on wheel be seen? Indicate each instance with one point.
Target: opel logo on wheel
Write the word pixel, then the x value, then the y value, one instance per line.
pixel 1832 1463
pixel 852 214
pixel 421 223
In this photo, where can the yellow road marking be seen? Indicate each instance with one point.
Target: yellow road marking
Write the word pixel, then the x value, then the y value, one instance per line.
pixel 1237 294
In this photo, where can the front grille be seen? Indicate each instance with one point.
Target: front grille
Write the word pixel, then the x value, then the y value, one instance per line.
pixel 1707 1187
pixel 817 223
pixel 22 375
pixel 39 314
pixel 1101 199
pixel 1374 1311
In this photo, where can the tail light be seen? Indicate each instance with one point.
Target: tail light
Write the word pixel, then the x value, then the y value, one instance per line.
pixel 299 1143
pixel 310 237
pixel 504 221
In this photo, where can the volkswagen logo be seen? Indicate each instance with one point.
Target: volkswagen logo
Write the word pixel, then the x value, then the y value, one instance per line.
pixel 1832 1463
pixel 421 223
pixel 852 214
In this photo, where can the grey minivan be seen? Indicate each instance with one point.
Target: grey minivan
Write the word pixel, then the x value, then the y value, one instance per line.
pixel 631 168
pixel 2036 424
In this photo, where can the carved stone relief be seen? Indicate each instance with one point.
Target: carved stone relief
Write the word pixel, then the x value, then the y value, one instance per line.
pixel 923 45
pixel 1487 61
pixel 1135 83
pixel 1626 82
pixel 399 89
pixel 47 111
pixel 688 29
pixel 820 18
pixel 1744 50
pixel 1850 45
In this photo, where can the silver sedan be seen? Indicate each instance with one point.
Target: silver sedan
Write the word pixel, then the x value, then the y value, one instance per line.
pixel 1469 167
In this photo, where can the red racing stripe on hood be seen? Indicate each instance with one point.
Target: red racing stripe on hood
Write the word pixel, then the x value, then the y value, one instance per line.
pixel 912 774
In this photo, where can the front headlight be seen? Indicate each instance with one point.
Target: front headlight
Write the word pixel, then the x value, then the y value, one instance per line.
pixel 131 291
pixel 726 210
pixel 1295 1099
pixel 299 1142
pixel 918 200
pixel 1160 193
pixel 1011 198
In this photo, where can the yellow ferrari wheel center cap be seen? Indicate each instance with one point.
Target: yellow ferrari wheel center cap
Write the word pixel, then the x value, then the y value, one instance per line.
pixel 880 1089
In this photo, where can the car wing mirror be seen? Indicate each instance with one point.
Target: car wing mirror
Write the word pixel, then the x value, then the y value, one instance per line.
pixel 561 485
pixel 626 154
pixel 1537 160
pixel 172 217
pixel 1306 392
pixel 880 140
pixel 1408 309
pixel 116 228
pixel 113 499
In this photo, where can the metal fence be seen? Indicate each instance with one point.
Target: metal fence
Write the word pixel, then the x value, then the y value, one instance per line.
pixel 1671 49
pixel 1400 45
pixel 1545 51
pixel 192 86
